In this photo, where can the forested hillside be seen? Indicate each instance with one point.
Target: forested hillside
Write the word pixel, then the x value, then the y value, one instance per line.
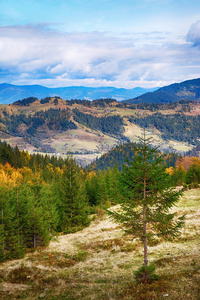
pixel 110 124
pixel 41 196
pixel 89 129
pixel 119 155
pixel 177 127
pixel 187 90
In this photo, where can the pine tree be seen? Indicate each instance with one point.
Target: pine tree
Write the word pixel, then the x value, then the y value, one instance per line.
pixel 147 197
pixel 91 187
pixel 72 204
pixel 102 190
pixel 111 183
pixel 37 223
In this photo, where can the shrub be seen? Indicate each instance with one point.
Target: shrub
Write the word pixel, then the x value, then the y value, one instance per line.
pixel 79 256
pixel 146 274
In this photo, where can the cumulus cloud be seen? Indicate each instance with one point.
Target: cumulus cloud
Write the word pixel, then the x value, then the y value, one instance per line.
pixel 194 34
pixel 31 54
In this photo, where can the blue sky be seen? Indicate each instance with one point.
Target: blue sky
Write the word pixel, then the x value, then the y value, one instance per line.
pixel 117 43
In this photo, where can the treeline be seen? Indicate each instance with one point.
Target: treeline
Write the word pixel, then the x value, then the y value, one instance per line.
pixel 183 104
pixel 119 155
pixel 186 172
pixel 97 102
pixel 54 119
pixel 104 102
pixel 110 124
pixel 26 101
pixel 20 159
pixel 178 127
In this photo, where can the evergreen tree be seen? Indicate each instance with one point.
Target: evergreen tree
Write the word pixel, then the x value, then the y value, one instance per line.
pixel 102 193
pixel 91 187
pixel 72 204
pixel 112 184
pixel 147 197
pixel 37 222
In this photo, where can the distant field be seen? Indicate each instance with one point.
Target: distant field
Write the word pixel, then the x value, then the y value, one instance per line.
pixel 132 131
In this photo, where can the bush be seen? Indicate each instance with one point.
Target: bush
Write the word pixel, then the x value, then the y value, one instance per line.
pixel 146 274
pixel 193 185
pixel 79 256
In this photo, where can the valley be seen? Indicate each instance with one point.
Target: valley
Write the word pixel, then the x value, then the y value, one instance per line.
pixel 88 129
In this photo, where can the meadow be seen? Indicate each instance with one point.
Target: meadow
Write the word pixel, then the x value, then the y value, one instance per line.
pixel 99 263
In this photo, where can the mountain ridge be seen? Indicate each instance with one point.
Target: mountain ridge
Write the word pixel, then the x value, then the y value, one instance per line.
pixel 10 93
pixel 187 90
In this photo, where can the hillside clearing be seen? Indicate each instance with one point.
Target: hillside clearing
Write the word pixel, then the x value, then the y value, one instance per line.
pixel 98 263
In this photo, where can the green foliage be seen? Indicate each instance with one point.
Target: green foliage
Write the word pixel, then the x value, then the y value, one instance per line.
pixel 26 101
pixel 78 256
pixel 147 197
pixel 118 156
pixel 20 159
pixel 71 199
pixel 146 274
pixel 193 174
pixel 55 119
pixel 110 124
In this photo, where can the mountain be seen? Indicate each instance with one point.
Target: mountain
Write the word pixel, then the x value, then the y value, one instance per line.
pixel 10 93
pixel 187 90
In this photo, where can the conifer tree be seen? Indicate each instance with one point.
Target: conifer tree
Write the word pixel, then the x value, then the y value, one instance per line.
pixel 102 190
pixel 91 188
pixel 37 222
pixel 111 184
pixel 147 197
pixel 72 204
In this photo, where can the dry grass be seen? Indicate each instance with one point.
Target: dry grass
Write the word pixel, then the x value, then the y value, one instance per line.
pixel 99 261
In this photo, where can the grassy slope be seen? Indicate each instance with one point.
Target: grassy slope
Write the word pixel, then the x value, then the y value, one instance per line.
pixel 98 263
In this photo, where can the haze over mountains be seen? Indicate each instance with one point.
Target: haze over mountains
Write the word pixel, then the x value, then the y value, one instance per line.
pixel 186 90
pixel 10 93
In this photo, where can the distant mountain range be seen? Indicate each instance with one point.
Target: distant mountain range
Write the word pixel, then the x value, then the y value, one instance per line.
pixel 10 93
pixel 186 90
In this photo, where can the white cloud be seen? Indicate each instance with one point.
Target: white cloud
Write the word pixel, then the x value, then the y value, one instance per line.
pixel 194 34
pixel 35 54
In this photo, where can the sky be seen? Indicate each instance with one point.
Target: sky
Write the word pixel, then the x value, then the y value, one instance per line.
pixel 119 43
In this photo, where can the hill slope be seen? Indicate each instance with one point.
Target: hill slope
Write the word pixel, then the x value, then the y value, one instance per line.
pixel 187 90
pixel 99 263
pixel 88 129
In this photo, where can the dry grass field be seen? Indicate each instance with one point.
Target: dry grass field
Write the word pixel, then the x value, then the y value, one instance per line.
pixel 99 262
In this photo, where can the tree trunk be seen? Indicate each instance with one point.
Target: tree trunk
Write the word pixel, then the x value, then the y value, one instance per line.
pixel 145 237
pixel 144 213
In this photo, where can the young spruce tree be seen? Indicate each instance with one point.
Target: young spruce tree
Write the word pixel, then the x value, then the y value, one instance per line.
pixel 147 197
